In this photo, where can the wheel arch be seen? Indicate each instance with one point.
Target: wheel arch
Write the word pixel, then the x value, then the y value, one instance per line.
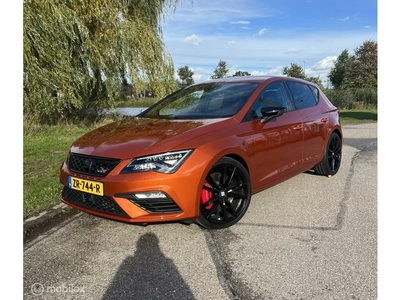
pixel 339 132
pixel 239 159
pixel 327 134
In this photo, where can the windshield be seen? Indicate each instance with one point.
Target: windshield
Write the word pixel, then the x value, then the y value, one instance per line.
pixel 203 101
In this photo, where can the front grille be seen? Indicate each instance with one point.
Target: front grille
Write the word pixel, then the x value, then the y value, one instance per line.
pixel 92 165
pixel 102 204
pixel 153 205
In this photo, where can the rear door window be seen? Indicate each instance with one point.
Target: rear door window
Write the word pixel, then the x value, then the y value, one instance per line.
pixel 302 95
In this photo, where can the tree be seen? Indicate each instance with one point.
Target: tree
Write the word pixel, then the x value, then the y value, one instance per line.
pixel 241 73
pixel 363 71
pixel 221 70
pixel 317 80
pixel 78 53
pixel 297 71
pixel 337 75
pixel 186 76
pixel 356 71
pixel 294 71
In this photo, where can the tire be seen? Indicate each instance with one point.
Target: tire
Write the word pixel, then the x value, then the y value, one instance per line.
pixel 330 163
pixel 226 195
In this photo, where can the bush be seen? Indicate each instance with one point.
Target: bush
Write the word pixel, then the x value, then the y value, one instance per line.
pixel 342 99
pixel 353 99
pixel 368 97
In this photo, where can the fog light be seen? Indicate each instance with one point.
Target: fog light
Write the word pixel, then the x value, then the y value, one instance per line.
pixel 150 195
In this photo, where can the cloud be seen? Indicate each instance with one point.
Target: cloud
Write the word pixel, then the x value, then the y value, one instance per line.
pixel 344 19
pixel 240 22
pixel 325 64
pixel 292 50
pixel 262 32
pixel 192 40
pixel 275 71
pixel 213 12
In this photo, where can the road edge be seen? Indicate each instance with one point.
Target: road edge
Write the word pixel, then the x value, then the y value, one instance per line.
pixel 46 220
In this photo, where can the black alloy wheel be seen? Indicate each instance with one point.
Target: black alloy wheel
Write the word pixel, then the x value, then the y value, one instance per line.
pixel 330 164
pixel 226 195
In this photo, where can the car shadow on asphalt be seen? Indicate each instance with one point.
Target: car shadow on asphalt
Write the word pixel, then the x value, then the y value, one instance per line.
pixel 148 274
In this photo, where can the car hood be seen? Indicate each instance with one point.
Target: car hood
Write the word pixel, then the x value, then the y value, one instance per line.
pixel 141 136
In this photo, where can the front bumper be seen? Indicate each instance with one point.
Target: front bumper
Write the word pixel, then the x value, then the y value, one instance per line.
pixel 181 192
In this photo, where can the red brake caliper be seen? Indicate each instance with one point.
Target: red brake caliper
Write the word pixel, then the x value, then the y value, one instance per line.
pixel 206 195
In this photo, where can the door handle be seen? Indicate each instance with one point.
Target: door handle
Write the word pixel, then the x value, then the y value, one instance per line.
pixel 297 127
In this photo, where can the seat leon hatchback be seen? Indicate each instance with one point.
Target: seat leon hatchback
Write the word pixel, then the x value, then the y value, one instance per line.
pixel 202 152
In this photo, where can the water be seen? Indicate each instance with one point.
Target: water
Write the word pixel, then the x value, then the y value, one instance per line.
pixel 125 111
pixel 129 111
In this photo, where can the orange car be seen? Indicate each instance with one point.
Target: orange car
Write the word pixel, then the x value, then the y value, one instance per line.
pixel 200 153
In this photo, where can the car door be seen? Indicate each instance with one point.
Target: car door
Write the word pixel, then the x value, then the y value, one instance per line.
pixel 305 99
pixel 275 146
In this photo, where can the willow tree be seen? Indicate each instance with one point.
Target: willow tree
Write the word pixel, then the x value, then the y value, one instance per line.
pixel 77 53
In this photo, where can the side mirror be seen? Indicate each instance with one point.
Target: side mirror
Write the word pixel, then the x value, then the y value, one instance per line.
pixel 270 112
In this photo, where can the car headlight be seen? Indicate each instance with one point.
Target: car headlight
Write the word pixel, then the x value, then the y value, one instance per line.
pixel 167 162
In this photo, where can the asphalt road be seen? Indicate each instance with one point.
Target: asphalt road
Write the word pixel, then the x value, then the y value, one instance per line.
pixel 310 237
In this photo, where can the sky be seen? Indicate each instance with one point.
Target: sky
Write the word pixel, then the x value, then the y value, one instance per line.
pixel 263 37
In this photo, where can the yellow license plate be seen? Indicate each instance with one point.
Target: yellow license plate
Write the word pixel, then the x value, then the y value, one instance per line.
pixel 87 186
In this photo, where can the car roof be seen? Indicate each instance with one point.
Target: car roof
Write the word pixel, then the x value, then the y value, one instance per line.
pixel 259 79
pixel 240 79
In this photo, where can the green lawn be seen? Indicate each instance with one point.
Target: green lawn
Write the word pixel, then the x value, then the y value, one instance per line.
pixel 45 148
pixel 358 116
pixel 44 151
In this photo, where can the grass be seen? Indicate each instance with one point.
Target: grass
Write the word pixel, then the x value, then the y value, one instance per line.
pixel 46 147
pixel 358 116
pixel 141 102
pixel 44 150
